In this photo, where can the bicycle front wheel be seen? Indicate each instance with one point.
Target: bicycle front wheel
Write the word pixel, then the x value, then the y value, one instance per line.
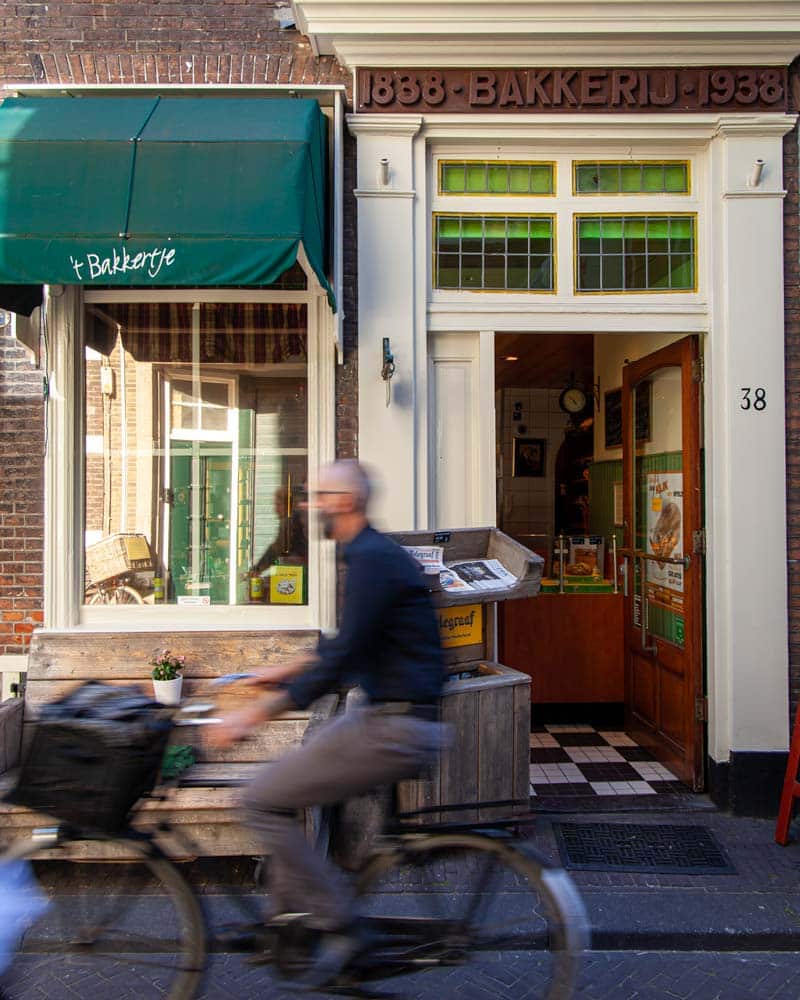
pixel 123 594
pixel 133 927
pixel 442 900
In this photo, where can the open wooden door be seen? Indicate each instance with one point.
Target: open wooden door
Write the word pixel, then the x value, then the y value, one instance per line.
pixel 663 563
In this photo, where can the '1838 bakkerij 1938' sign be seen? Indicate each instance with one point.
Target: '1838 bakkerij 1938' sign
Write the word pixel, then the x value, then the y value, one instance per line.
pixel 506 91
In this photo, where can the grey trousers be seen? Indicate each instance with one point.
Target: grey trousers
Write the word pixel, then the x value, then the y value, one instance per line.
pixel 348 756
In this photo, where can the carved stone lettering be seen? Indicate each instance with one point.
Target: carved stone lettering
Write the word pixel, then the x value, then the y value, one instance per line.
pixel 547 90
pixel 510 92
pixel 482 89
pixel 593 87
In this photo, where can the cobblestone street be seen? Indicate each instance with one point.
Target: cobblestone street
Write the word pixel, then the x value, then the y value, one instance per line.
pixel 624 975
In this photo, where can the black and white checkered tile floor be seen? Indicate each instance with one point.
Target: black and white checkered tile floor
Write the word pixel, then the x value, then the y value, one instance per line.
pixel 582 760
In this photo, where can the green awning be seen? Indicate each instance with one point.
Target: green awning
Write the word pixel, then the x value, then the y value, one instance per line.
pixel 171 191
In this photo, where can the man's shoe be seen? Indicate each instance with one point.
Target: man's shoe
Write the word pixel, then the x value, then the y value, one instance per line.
pixel 335 951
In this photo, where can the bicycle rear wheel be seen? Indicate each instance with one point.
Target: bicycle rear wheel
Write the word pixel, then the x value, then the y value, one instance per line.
pixel 448 899
pixel 134 924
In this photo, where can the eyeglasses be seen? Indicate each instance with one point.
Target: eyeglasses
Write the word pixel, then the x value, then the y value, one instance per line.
pixel 325 493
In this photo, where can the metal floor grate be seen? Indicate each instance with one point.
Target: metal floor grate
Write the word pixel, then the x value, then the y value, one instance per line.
pixel 631 847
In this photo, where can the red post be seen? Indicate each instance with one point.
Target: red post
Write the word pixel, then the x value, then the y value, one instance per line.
pixel 791 786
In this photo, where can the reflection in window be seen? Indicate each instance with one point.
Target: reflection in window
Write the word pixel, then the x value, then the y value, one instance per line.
pixel 196 454
pixel 494 252
pixel 635 253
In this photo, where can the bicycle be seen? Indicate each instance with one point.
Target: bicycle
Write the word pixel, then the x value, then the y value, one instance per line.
pixel 115 590
pixel 427 896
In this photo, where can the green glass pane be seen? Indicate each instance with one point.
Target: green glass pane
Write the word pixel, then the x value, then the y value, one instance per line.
pixel 681 227
pixel 518 228
pixel 631 178
pixel 658 228
pixel 653 177
pixel 476 178
pixel 449 227
pixel 471 271
pixel 658 271
pixel 589 274
pixel 541 227
pixel 447 271
pixel 541 277
pixel 586 178
pixel 494 271
pixel 453 180
pixel 472 227
pixel 541 246
pixel 676 178
pixel 635 228
pixel 635 272
pixel 609 177
pixel 682 274
pixel 612 272
pixel 611 228
pixel 519 247
pixel 495 228
pixel 518 273
pixel 498 178
pixel 588 229
pixel 519 181
pixel 542 179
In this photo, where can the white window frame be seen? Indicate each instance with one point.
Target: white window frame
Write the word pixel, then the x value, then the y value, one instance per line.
pixel 565 205
pixel 65 473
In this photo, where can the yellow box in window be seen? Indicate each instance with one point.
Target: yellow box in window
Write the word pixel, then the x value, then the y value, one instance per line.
pixel 286 585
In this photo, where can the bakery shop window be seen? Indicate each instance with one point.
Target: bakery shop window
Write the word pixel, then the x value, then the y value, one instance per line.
pixel 196 460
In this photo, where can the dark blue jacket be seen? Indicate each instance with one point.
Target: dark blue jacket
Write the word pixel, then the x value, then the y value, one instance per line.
pixel 388 642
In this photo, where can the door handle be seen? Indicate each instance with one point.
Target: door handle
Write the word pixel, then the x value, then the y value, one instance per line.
pixel 650 650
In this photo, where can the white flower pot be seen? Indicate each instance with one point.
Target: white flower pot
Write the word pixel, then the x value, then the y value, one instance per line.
pixel 168 692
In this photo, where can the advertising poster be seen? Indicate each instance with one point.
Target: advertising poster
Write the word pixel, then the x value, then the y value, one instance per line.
pixel 665 538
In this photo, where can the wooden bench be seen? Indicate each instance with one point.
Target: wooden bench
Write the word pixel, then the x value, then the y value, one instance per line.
pixel 203 807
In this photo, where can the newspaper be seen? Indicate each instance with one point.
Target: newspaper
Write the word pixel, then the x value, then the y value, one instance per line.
pixel 476 574
pixel 428 556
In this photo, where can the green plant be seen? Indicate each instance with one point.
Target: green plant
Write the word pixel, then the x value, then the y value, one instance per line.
pixel 166 666
pixel 176 760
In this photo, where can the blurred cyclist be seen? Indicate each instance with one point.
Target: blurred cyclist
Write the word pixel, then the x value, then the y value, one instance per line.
pixel 388 644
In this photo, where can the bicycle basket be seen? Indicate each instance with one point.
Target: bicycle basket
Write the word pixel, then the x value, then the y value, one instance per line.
pixel 117 554
pixel 92 756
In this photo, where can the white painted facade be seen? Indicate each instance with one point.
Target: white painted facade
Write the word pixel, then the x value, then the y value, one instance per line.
pixel 443 341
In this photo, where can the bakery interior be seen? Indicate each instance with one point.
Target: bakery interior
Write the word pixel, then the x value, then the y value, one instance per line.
pixel 559 492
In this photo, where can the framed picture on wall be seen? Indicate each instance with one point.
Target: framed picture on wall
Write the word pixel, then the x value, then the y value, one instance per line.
pixel 529 456
pixel 613 414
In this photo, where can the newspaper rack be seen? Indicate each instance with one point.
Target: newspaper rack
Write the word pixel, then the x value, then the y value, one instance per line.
pixel 462 544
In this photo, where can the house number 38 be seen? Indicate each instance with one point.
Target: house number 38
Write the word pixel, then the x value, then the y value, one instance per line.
pixel 753 399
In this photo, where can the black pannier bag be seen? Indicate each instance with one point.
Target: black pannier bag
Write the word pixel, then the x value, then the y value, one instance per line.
pixel 93 754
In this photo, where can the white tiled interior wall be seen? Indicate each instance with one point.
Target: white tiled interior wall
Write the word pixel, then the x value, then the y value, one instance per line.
pixel 527 504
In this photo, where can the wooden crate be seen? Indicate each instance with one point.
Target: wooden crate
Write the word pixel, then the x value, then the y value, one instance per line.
pixel 487 709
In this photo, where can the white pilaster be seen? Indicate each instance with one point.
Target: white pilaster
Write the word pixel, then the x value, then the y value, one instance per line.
pixel 63 539
pixel 745 459
pixel 387 308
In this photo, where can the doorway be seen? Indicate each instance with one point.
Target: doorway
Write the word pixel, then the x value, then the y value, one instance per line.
pixel 597 435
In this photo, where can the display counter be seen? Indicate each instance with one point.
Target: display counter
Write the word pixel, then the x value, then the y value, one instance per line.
pixel 570 644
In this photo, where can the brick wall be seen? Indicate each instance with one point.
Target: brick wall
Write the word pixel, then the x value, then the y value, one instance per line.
pixel 791 214
pixel 21 494
pixel 122 43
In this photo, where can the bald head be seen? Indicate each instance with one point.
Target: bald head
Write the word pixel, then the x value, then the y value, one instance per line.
pixel 349 477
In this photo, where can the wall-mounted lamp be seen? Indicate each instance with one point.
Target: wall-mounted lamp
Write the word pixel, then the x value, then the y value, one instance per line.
pixel 383 171
pixel 755 176
pixel 387 369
